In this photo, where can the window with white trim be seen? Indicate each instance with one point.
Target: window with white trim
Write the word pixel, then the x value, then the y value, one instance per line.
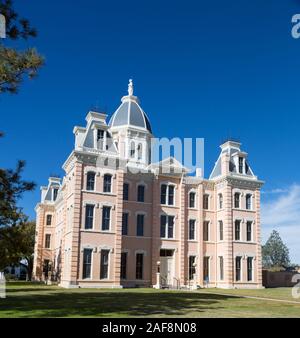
pixel 167 226
pixel 167 192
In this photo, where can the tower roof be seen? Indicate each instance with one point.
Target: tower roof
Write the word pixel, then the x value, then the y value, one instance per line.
pixel 130 113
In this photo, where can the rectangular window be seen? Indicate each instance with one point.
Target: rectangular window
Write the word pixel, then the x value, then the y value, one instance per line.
pixel 49 220
pixel 221 262
pixel 125 224
pixel 241 165
pixel 250 269
pixel 192 268
pixel 171 195
pixel 249 231
pixel 248 202
pixel 104 264
pixel 47 241
pixel 166 226
pixel 89 216
pixel 106 218
pixel 125 191
pixel 163 194
pixel 237 200
pixel 87 263
pixel 192 198
pixel 100 135
pixel 238 268
pixel 237 230
pixel 206 231
pixel 55 192
pixel 90 181
pixel 139 265
pixel 206 202
pixel 123 265
pixel 206 269
pixel 221 231
pixel 141 193
pixel 220 201
pixel 192 229
pixel 107 183
pixel 140 225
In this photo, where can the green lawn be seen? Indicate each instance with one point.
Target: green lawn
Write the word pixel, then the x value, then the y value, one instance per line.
pixel 36 300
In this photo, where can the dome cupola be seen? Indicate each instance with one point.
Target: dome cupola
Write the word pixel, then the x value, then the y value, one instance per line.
pixel 130 113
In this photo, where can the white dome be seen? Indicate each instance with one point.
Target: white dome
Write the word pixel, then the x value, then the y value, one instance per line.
pixel 130 113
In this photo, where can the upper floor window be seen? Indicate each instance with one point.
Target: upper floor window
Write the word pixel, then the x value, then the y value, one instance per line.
pixel 220 201
pixel 90 181
pixel 107 183
pixel 249 231
pixel 48 241
pixel 206 231
pixel 249 202
pixel 192 229
pixel 132 149
pixel 140 151
pixel 205 201
pixel 55 192
pixel 237 200
pixel 241 165
pixel 125 223
pixel 167 194
pixel 221 231
pixel 100 135
pixel 237 230
pixel 106 218
pixel 166 226
pixel 125 191
pixel 141 193
pixel 89 216
pixel 140 225
pixel 192 199
pixel 49 220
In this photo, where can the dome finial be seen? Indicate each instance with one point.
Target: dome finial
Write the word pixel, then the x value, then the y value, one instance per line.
pixel 130 87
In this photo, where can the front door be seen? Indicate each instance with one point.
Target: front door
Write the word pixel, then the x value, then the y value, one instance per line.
pixel 167 268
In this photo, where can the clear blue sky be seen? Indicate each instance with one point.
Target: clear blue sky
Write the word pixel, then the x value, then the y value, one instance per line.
pixel 207 69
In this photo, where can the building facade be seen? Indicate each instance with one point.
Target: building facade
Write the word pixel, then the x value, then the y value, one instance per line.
pixel 118 220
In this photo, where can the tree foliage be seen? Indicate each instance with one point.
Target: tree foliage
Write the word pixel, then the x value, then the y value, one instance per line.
pixel 275 253
pixel 14 64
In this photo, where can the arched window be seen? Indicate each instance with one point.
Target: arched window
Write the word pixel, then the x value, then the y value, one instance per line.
pixel 132 149
pixel 90 181
pixel 140 151
pixel 107 183
pixel 248 201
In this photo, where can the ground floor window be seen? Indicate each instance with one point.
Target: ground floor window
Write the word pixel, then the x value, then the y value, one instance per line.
pixel 192 268
pixel 104 264
pixel 123 265
pixel 238 268
pixel 87 263
pixel 221 262
pixel 250 269
pixel 139 265
pixel 206 269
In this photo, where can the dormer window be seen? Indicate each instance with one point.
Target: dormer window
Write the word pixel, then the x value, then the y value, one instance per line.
pixel 241 165
pixel 55 192
pixel 100 139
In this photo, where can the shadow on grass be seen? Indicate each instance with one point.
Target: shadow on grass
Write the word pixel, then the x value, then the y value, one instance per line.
pixel 107 304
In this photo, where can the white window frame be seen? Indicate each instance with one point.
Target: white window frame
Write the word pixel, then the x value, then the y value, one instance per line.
pixel 167 226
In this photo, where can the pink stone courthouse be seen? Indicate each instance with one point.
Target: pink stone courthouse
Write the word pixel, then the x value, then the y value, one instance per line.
pixel 117 220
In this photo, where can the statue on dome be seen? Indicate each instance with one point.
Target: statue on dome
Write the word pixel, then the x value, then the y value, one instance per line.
pixel 130 87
